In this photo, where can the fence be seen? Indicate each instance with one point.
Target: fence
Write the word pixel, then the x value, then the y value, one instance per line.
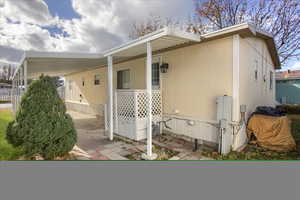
pixel 5 95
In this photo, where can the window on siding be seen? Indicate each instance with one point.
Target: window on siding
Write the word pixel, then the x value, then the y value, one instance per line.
pixel 123 79
pixel 97 79
pixel 271 80
pixel 70 84
pixel 155 75
pixel 256 70
pixel 83 81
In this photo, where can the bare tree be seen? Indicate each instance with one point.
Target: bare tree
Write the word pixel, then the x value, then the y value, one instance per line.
pixel 150 25
pixel 279 17
pixel 6 72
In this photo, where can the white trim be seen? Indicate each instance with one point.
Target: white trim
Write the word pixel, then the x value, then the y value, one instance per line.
pixel 77 102
pixel 130 76
pixel 20 64
pixel 25 75
pixel 236 78
pixel 226 30
pixel 110 96
pixel 167 31
pixel 149 92
pixel 40 54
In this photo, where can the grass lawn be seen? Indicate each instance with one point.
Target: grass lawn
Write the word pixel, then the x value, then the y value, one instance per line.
pixel 7 152
pixel 252 152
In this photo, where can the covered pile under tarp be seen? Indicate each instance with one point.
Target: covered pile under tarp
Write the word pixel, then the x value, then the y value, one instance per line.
pixel 271 132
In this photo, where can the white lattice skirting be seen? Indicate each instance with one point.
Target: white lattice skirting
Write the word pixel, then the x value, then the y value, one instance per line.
pixel 130 112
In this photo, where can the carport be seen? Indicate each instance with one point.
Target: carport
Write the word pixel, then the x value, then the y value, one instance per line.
pixel 33 64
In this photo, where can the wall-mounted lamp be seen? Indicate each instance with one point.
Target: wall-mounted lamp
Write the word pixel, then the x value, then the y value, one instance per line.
pixel 164 68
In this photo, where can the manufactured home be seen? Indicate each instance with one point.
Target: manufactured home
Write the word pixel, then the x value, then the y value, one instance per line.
pixel 200 86
pixel 288 87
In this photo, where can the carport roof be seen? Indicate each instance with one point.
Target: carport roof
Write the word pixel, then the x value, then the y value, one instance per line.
pixel 60 63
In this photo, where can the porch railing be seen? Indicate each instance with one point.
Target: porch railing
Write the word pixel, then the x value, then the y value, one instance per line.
pixel 130 112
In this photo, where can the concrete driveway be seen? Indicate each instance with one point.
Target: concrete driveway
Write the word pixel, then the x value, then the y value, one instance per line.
pixel 90 131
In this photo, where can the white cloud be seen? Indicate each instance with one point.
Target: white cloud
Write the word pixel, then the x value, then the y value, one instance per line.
pixel 102 24
pixel 29 11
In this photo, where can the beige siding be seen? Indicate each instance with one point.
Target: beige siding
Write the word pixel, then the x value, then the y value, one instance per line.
pixel 197 75
pixel 92 94
pixel 253 92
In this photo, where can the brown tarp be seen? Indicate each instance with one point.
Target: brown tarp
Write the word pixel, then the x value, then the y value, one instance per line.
pixel 272 133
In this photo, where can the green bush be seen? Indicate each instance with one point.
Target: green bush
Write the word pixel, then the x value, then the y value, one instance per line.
pixel 42 125
pixel 289 109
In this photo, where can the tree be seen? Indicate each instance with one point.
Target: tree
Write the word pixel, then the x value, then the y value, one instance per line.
pixel 279 17
pixel 42 125
pixel 6 72
pixel 150 25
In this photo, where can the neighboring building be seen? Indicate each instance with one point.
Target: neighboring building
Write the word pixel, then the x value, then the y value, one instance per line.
pixel 189 73
pixel 288 87
pixel 5 92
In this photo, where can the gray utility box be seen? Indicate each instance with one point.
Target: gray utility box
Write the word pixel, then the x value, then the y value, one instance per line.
pixel 224 108
pixel 224 117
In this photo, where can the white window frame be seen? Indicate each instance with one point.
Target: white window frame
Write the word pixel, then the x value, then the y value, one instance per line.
pixel 271 74
pixel 129 82
pixel 82 81
pixel 157 59
pixel 99 75
pixel 256 73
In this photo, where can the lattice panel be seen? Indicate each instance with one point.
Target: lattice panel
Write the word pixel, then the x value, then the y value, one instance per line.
pixel 131 105
pixel 156 106
pixel 125 106
pixel 142 101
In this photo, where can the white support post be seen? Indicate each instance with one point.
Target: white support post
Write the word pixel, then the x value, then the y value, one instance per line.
pixel 21 80
pixel 25 76
pixel 12 95
pixel 236 79
pixel 110 96
pixel 18 89
pixel 150 155
pixel 20 86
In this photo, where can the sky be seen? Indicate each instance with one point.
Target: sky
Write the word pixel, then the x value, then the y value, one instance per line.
pixel 78 25
pixel 75 25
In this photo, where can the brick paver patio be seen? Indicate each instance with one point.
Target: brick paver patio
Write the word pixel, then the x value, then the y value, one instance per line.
pixel 92 139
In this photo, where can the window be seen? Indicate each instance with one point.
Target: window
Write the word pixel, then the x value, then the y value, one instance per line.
pixel 271 80
pixel 70 84
pixel 155 75
pixel 97 79
pixel 256 70
pixel 83 81
pixel 123 79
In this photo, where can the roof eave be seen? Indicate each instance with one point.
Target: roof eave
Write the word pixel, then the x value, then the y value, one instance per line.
pixel 167 31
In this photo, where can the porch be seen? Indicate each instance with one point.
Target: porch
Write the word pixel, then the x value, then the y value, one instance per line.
pixel 92 138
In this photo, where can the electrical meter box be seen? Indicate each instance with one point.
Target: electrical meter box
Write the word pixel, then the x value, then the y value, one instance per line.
pixel 224 117
pixel 224 108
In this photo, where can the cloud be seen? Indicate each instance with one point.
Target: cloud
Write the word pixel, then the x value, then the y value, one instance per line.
pixel 9 55
pixel 28 11
pixel 102 24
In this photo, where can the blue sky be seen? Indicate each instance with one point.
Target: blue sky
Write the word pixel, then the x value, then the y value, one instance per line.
pixel 62 8
pixel 78 25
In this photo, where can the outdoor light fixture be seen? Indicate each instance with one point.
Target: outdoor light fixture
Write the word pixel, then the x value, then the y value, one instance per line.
pixel 164 68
